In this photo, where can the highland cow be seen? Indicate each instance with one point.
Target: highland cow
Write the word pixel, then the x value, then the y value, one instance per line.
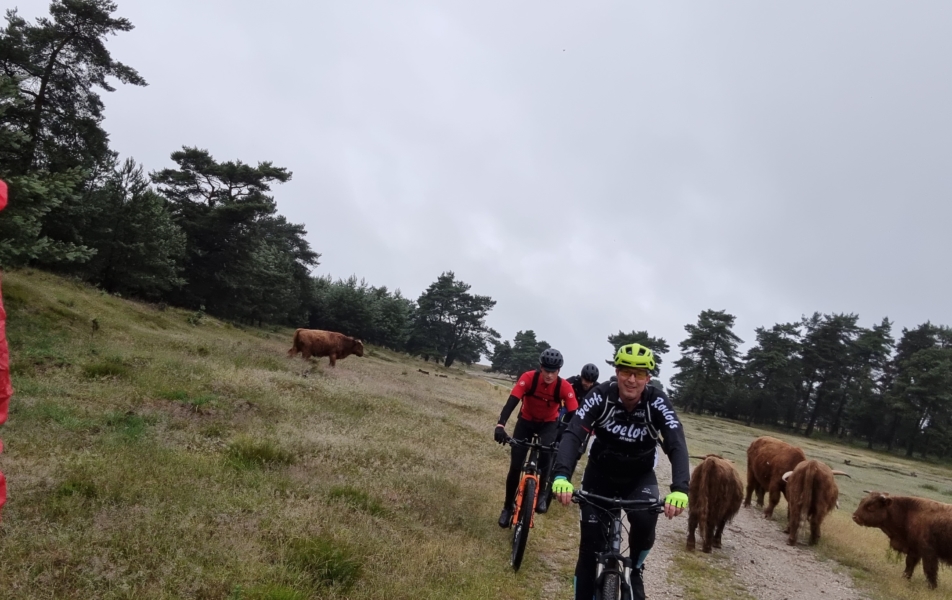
pixel 317 342
pixel 767 460
pixel 714 498
pixel 917 527
pixel 811 493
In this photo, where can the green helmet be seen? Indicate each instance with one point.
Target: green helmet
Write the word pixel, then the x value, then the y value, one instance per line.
pixel 635 356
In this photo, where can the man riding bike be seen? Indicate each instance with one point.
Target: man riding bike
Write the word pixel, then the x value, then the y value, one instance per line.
pixel 627 418
pixel 584 381
pixel 541 392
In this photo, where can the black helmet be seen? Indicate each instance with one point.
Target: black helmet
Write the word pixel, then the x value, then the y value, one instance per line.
pixel 551 359
pixel 590 372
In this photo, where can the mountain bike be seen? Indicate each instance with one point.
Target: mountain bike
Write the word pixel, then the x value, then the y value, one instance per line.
pixel 527 496
pixel 613 573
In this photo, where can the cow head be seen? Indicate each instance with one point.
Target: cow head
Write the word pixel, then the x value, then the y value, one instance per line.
pixel 873 510
pixel 358 348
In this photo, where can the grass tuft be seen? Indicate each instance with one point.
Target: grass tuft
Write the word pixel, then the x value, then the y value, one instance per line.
pixel 356 498
pixel 326 562
pixel 106 368
pixel 251 453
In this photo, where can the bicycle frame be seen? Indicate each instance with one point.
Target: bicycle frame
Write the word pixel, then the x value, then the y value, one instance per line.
pixel 613 560
pixel 530 470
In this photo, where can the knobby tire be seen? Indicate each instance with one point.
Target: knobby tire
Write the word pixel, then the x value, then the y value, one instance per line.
pixel 611 587
pixel 520 533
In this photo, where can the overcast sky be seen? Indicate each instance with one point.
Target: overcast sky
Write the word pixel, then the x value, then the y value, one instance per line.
pixel 592 166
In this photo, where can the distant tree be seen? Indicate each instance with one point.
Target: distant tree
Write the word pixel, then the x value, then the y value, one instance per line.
pixel 242 260
pixel 709 360
pixel 138 247
pixel 450 322
pixel 657 345
pixel 772 372
pixel 521 356
pixel 828 350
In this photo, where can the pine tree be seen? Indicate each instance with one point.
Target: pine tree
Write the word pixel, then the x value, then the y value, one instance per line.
pixel 709 359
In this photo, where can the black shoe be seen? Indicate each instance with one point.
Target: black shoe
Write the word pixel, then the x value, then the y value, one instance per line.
pixel 543 504
pixel 505 518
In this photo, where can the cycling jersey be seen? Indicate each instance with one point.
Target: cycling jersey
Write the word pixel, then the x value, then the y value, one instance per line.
pixel 625 442
pixel 542 405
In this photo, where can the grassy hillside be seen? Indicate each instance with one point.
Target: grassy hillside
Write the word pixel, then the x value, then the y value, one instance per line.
pixel 161 454
pixel 158 453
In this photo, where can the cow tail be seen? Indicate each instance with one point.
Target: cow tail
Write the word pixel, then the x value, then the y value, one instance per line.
pixel 806 494
pixel 704 498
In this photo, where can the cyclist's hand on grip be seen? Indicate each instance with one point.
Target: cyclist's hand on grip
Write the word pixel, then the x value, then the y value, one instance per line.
pixel 500 435
pixel 562 488
pixel 675 503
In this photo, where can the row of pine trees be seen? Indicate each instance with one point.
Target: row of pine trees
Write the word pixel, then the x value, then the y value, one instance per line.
pixel 206 235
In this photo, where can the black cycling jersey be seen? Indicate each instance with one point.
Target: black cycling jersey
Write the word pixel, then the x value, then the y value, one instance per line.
pixel 625 442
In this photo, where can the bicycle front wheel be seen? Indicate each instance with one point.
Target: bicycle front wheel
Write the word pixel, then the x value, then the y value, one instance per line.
pixel 610 588
pixel 520 533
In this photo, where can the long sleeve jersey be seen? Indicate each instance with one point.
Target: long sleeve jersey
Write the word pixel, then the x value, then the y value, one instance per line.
pixel 625 442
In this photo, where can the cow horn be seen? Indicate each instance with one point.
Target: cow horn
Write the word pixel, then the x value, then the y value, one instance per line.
pixel 867 492
pixel 698 457
pixel 787 475
pixel 835 472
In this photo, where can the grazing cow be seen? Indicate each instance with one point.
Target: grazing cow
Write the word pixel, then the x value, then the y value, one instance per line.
pixel 317 342
pixel 917 527
pixel 767 460
pixel 713 499
pixel 811 493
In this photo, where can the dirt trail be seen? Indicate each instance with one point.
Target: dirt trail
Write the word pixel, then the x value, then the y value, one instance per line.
pixel 762 560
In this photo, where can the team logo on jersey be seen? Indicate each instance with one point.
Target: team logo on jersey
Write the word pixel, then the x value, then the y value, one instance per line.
pixel 669 417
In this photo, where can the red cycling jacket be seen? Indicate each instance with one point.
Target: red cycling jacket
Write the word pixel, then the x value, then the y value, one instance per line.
pixel 6 388
pixel 541 405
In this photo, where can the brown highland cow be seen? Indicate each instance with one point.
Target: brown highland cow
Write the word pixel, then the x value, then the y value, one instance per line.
pixel 917 527
pixel 317 342
pixel 811 494
pixel 713 499
pixel 767 460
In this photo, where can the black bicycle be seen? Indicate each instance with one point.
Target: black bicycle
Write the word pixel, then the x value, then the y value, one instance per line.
pixel 527 496
pixel 613 573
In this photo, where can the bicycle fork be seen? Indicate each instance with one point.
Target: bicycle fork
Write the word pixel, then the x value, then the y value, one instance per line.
pixel 519 491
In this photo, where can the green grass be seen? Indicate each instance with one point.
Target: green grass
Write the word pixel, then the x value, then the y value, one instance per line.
pixel 161 457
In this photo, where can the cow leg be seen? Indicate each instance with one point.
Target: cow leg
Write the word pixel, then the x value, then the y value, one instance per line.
pixel 815 521
pixel 930 566
pixel 793 522
pixel 774 501
pixel 719 532
pixel 751 482
pixel 760 496
pixel 333 358
pixel 692 526
pixel 708 535
pixel 912 559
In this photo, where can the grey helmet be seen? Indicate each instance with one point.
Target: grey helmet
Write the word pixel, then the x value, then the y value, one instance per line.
pixel 551 359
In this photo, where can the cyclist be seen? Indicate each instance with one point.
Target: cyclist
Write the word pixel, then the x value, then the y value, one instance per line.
pixel 541 392
pixel 584 381
pixel 627 417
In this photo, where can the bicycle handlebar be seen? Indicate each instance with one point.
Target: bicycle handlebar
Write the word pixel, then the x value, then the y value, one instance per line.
pixel 581 496
pixel 530 444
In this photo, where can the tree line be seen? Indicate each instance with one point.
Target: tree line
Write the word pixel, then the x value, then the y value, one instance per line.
pixel 824 374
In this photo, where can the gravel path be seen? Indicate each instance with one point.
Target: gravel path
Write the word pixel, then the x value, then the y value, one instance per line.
pixel 763 562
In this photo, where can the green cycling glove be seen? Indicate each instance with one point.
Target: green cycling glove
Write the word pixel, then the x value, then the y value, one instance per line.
pixel 561 485
pixel 677 499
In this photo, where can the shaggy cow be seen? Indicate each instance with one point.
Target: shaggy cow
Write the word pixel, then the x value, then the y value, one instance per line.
pixel 811 493
pixel 917 527
pixel 713 499
pixel 317 342
pixel 767 460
